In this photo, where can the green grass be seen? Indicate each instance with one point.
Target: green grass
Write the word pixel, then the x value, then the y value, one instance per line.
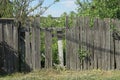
pixel 64 75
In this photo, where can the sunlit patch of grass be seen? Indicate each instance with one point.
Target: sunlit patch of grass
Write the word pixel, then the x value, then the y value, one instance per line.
pixel 52 74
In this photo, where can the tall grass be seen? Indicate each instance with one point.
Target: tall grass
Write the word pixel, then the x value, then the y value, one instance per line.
pixel 64 75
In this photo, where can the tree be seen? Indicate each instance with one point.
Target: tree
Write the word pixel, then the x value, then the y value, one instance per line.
pixel 99 8
pixel 6 9
pixel 72 18
pixel 22 9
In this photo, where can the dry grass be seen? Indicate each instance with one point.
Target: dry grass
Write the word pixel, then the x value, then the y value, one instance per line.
pixel 65 75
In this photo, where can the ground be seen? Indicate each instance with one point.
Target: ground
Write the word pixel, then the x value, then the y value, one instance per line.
pixel 64 75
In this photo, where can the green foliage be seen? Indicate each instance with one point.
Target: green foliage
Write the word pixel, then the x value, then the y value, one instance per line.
pixel 6 9
pixel 56 22
pixel 72 19
pixel 55 51
pixel 91 22
pixel 113 27
pixel 82 54
pixel 99 8
pixel 22 9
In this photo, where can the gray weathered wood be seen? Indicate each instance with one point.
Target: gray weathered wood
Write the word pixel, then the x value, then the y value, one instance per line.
pixel 27 51
pixel 77 42
pixel 48 49
pixel 112 47
pixel 33 48
pixel 37 44
pixel 67 49
pixel 96 45
pixel 81 40
pixel 108 49
pixel 67 44
pixel 117 47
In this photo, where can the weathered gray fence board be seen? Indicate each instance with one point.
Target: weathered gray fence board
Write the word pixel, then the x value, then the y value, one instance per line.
pixel 71 48
pixel 117 47
pixel 84 47
pixel 37 48
pixel 91 47
pixel 75 50
pixel 112 47
pixel 100 24
pixel 48 49
pixel 103 44
pixel 107 22
pixel 77 43
pixel 15 46
pixel 81 39
pixel 6 55
pixel 33 48
pixel 1 46
pixel 67 49
pixel 87 21
pixel 27 51
pixel 1 32
pixel 96 39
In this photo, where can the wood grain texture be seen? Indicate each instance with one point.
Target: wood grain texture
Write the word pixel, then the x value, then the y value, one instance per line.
pixel 48 49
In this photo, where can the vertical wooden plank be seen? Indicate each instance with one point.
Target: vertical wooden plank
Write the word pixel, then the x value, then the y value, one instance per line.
pixel 1 47
pixel 33 48
pixel 100 43
pixel 37 44
pixel 67 44
pixel 6 56
pixel 48 49
pixel 27 51
pixel 78 42
pixel 106 47
pixel 84 47
pixel 15 46
pixel 81 40
pixel 90 43
pixel 91 36
pixel 112 47
pixel 0 32
pixel 103 44
pixel 96 40
pixel 31 58
pixel 11 49
pixel 107 24
pixel 87 22
pixel 67 48
pixel 117 45
pixel 73 49
pixel 8 47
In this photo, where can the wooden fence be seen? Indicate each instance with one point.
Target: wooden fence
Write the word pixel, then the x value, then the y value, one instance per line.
pixel 20 46
pixel 93 44
pixel 8 46
pixel 29 47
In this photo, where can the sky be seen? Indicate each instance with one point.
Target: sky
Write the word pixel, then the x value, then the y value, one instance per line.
pixel 59 8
